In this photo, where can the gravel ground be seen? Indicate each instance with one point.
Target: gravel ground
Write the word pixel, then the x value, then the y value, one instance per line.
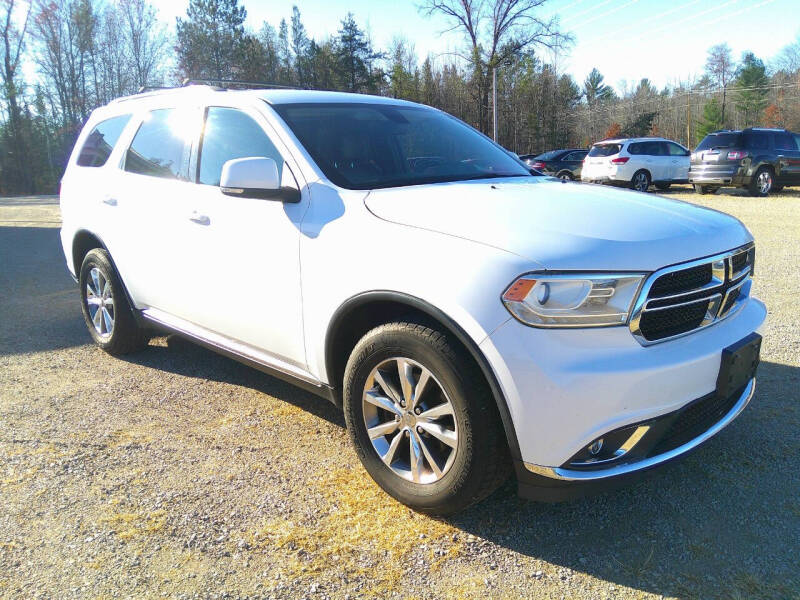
pixel 175 472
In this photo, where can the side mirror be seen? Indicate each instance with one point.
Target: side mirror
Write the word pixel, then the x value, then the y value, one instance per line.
pixel 255 177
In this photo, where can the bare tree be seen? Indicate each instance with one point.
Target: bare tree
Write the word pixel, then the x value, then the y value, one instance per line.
pixel 721 68
pixel 146 40
pixel 13 42
pixel 496 30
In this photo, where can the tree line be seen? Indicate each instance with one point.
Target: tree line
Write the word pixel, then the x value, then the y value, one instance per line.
pixel 59 59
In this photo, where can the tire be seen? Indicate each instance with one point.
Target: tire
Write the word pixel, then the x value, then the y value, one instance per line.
pixel 473 463
pixel 761 183
pixel 565 176
pixel 704 189
pixel 663 186
pixel 105 307
pixel 640 181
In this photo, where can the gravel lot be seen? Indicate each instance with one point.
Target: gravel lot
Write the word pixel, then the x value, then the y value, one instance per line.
pixel 178 473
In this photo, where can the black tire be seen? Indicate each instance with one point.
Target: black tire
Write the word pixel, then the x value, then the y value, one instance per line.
pixel 640 181
pixel 124 335
pixel 663 186
pixel 762 182
pixel 704 189
pixel 565 176
pixel 481 461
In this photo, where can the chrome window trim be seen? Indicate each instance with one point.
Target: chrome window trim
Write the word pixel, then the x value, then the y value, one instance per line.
pixel 567 474
pixel 722 272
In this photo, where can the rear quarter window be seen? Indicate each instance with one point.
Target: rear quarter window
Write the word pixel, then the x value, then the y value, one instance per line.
pixel 605 150
pixel 101 141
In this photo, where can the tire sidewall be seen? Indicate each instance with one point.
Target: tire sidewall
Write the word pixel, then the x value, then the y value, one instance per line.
pixel 378 346
pixel 99 259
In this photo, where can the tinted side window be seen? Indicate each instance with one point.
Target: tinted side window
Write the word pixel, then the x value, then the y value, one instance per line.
pixel 101 141
pixel 158 149
pixel 675 150
pixel 756 140
pixel 653 148
pixel 229 134
pixel 784 141
pixel 636 149
pixel 575 156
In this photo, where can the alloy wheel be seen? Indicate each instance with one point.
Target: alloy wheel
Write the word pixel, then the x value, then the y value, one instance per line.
pixel 410 420
pixel 764 182
pixel 640 182
pixel 100 302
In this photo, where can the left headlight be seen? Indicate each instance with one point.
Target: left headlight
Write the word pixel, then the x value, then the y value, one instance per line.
pixel 573 300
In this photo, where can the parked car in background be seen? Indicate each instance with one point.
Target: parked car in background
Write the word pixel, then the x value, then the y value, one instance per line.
pixel 637 163
pixel 467 316
pixel 564 164
pixel 757 159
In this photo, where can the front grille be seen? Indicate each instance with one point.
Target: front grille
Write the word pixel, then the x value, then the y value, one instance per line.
pixel 657 324
pixel 678 300
pixel 694 420
pixel 682 281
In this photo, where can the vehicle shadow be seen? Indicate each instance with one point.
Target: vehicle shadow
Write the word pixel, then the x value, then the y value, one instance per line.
pixel 183 357
pixel 39 307
pixel 722 522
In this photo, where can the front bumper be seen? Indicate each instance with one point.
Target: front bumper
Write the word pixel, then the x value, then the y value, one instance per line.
pixel 568 387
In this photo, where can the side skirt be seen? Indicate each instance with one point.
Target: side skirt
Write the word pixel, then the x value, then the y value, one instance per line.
pixel 239 353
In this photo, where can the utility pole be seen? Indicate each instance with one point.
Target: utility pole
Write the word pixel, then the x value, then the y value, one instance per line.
pixel 494 101
pixel 688 116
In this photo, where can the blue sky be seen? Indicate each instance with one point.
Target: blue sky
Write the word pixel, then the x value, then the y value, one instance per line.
pixel 664 40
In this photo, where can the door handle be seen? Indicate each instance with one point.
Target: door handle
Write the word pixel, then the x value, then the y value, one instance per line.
pixel 196 217
pixel 110 201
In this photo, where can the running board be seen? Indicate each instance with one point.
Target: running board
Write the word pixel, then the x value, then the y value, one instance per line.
pixel 239 352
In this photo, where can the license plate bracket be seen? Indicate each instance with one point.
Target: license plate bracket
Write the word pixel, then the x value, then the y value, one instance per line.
pixel 738 365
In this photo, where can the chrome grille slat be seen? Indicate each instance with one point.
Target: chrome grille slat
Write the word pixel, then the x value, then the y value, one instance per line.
pixel 724 293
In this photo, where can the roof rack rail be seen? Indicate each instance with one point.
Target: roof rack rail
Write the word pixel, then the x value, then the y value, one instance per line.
pixel 235 83
pixel 764 129
pixel 152 88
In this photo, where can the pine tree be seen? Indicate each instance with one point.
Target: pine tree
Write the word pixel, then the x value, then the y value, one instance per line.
pixel 211 39
pixel 751 89
pixel 711 120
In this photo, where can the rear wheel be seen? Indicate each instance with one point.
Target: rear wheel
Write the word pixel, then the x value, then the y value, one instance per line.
pixel 422 419
pixel 565 176
pixel 761 183
pixel 640 181
pixel 105 307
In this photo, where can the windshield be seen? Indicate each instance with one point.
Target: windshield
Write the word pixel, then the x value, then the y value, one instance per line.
pixel 719 140
pixel 605 149
pixel 363 146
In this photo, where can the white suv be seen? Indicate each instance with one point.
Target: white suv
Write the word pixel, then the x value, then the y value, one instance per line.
pixel 638 163
pixel 469 317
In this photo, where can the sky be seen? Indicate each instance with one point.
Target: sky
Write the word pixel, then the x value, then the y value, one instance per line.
pixel 663 40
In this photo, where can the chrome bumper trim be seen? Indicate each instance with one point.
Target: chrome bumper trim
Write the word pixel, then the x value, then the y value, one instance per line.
pixel 624 469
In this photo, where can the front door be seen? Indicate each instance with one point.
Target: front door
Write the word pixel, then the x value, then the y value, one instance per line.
pixel 246 263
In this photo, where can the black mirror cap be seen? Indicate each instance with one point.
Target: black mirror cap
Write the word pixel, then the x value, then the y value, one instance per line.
pixel 290 195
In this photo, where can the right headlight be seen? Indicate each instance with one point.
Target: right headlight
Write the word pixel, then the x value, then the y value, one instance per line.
pixel 573 299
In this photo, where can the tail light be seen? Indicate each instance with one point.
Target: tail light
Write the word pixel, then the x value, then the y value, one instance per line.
pixel 737 155
pixel 620 161
pixel 537 164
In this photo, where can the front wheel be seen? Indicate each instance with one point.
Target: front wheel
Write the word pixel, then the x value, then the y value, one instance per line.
pixel 105 307
pixel 422 419
pixel 761 183
pixel 640 181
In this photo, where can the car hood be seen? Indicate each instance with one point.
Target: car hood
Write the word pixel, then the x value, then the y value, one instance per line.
pixel 564 226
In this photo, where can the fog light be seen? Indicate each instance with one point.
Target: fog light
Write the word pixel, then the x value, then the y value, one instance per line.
pixel 595 447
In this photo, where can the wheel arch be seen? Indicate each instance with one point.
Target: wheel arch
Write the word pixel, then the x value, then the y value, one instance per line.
pixel 360 313
pixel 566 172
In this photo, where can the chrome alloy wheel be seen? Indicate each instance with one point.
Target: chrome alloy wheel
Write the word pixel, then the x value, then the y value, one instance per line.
pixel 410 420
pixel 640 183
pixel 764 182
pixel 100 302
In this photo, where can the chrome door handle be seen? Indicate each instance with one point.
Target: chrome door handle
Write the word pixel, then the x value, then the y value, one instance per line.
pixel 196 217
pixel 110 201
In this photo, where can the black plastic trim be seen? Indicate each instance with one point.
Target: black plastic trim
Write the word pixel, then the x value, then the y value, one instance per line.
pixel 339 318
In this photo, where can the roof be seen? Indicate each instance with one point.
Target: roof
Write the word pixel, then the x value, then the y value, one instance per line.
pixel 633 139
pixel 272 96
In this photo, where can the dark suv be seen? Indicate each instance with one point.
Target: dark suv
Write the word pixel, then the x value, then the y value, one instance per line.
pixel 564 164
pixel 757 159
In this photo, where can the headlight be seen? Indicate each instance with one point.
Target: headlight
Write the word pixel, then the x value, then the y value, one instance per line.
pixel 572 300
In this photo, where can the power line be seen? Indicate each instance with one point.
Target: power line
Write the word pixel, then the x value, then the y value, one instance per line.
pixel 605 14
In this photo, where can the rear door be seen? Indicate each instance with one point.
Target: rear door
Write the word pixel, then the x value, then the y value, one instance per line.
pixel 788 155
pixel 574 160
